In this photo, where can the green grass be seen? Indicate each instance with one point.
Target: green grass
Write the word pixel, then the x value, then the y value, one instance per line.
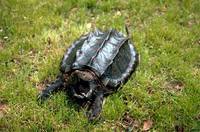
pixel 34 35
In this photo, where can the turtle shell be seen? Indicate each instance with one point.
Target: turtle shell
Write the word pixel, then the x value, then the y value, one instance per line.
pixel 109 54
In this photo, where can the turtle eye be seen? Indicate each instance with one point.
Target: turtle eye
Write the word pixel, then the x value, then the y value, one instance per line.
pixel 83 75
pixel 78 53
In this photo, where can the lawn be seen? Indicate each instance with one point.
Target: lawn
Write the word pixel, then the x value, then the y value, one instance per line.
pixel 163 94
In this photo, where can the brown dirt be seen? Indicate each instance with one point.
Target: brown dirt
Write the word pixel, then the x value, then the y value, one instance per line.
pixel 3 109
pixel 42 85
pixel 175 86
pixel 147 124
pixel 128 123
pixel 179 128
pixel 1 45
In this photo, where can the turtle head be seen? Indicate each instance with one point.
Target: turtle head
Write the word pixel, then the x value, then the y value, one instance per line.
pixel 85 75
pixel 84 90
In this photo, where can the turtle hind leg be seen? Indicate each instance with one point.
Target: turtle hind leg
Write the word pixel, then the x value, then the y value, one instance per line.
pixel 54 87
pixel 96 106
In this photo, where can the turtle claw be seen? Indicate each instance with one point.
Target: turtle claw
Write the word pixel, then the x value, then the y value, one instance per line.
pixel 42 97
pixel 96 107
pixel 93 115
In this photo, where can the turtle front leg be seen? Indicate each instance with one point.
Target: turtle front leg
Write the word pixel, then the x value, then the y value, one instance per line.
pixel 54 87
pixel 96 106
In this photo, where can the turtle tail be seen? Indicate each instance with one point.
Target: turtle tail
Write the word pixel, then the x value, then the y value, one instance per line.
pixel 127 31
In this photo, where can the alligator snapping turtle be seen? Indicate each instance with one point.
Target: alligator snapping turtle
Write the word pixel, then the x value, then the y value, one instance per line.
pixel 96 65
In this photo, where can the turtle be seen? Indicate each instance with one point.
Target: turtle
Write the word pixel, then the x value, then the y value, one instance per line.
pixel 95 66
